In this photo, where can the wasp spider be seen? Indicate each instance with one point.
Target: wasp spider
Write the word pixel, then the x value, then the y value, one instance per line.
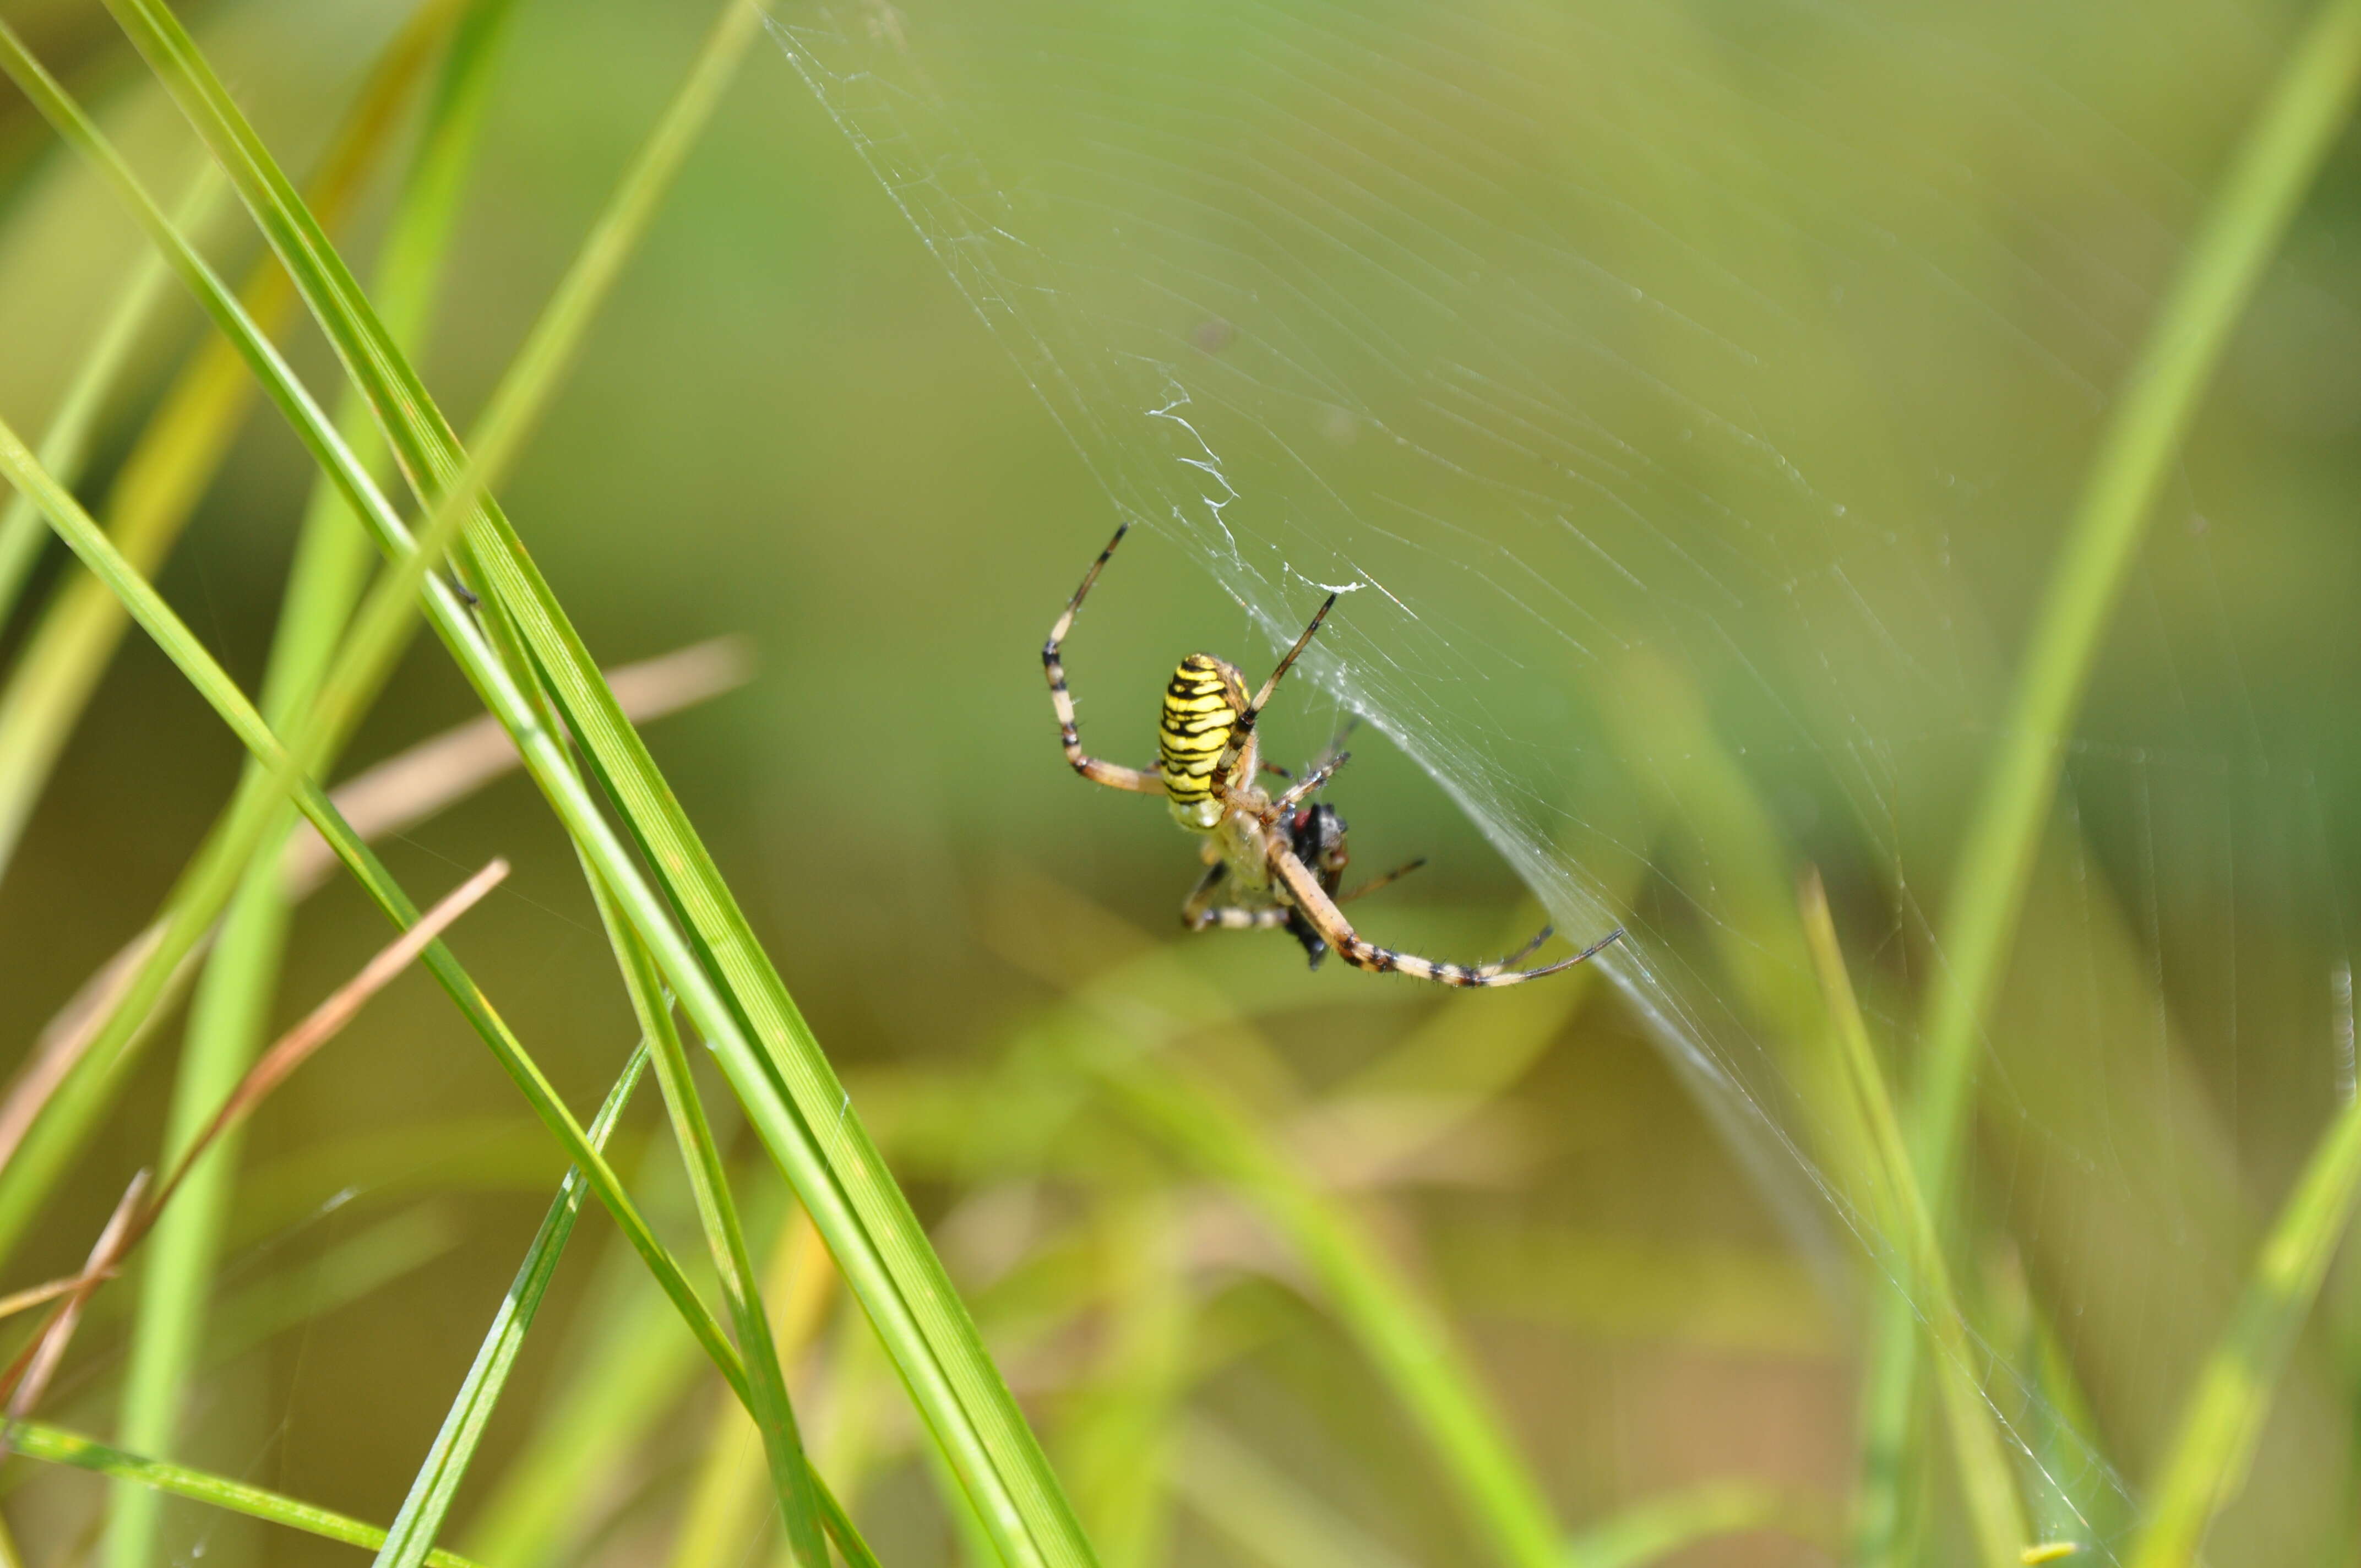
pixel 1279 862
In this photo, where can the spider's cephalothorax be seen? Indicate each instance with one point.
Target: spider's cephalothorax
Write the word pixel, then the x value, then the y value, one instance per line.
pixel 1284 856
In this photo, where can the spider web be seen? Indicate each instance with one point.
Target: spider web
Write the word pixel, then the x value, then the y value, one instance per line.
pixel 1690 399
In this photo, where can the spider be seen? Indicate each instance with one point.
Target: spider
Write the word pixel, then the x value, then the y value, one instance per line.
pixel 1281 858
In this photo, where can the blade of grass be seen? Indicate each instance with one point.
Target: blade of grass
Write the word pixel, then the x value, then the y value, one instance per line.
pixel 140 1211
pixel 1266 1517
pixel 183 445
pixel 55 1446
pixel 628 1366
pixel 383 622
pixel 411 1538
pixel 871 1229
pixel 210 881
pixel 1117 1437
pixel 2214 1445
pixel 1660 1526
pixel 1403 1337
pixel 725 1236
pixel 2292 131
pixel 720 1515
pixel 1987 1484
pixel 395 794
pixel 66 443
pixel 212 682
pixel 234 995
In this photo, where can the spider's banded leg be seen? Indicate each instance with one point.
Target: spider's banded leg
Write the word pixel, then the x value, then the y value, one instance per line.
pixel 1242 733
pixel 1335 747
pixel 1232 917
pixel 1193 908
pixel 1374 883
pixel 1115 775
pixel 1303 890
pixel 1310 784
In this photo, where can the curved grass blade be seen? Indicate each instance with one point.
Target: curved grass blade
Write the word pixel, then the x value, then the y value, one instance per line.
pixel 1403 1337
pixel 774 1412
pixel 183 446
pixel 1659 1527
pixel 1989 1487
pixel 2214 1445
pixel 56 1446
pixel 724 981
pixel 2293 130
pixel 205 887
pixel 234 995
pixel 66 442
pixel 213 684
pixel 412 1539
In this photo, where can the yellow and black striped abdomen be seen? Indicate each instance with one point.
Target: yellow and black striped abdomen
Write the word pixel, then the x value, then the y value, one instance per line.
pixel 1201 703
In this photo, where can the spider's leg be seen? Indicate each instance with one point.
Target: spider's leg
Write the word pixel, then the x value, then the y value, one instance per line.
pixel 1310 782
pixel 1237 917
pixel 1242 733
pixel 1115 775
pixel 1335 747
pixel 1197 909
pixel 1374 883
pixel 1303 890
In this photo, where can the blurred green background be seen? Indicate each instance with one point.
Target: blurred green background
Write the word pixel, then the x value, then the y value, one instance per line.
pixel 1890 261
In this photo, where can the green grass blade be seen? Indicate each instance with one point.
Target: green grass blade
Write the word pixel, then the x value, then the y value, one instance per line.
pixel 183 446
pixel 155 617
pixel 185 443
pixel 774 1412
pixel 780 1074
pixel 1659 1527
pixel 56 1446
pixel 66 443
pixel 1995 1510
pixel 1403 1337
pixel 1269 1517
pixel 233 998
pixel 410 1540
pixel 627 1364
pixel 1118 1435
pixel 2219 1427
pixel 2293 130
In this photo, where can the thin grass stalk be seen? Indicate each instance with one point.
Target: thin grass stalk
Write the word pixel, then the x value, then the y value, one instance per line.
pixel 787 1086
pixel 1995 1512
pixel 186 441
pixel 179 644
pixel 1662 1526
pixel 213 683
pixel 66 443
pixel 182 448
pixel 2292 131
pixel 53 1445
pixel 367 657
pixel 722 1511
pixel 234 995
pixel 2214 1447
pixel 1267 1518
pixel 628 1364
pixel 410 1540
pixel 717 1211
pixel 136 1216
pixel 1404 1338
